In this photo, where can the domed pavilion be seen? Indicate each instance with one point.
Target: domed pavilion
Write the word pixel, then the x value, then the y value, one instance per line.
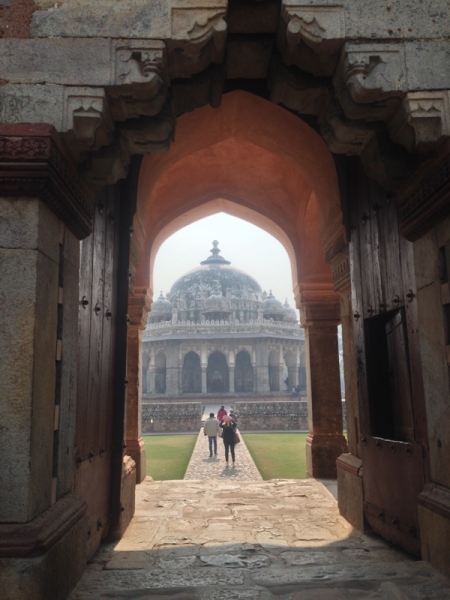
pixel 217 333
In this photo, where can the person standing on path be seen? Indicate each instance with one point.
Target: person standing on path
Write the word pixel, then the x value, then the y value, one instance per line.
pixel 228 430
pixel 211 429
pixel 221 413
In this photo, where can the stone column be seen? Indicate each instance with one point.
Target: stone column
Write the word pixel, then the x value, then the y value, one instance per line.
pixel 319 315
pixel 204 386
pixel 280 377
pixel 151 380
pixel 231 376
pixel 44 212
pixel 138 307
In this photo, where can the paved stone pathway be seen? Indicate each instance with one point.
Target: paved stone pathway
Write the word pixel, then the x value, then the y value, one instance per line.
pixel 202 467
pixel 225 539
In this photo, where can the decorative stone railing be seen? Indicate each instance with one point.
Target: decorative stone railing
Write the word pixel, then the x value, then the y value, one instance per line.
pixel 189 327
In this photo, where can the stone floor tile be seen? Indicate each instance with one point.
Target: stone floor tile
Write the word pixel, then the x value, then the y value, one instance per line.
pixel 232 540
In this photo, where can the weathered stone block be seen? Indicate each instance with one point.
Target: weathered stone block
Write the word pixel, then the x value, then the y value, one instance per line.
pixel 32 104
pixel 29 280
pixel 49 575
pixel 82 18
pixel 59 61
pixel 350 490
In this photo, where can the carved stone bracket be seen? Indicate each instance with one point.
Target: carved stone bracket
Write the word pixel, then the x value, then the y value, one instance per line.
pixel 310 36
pixel 343 135
pixel 288 86
pixel 422 120
pixel 201 89
pixel 86 121
pixel 198 36
pixel 110 163
pixel 149 134
pixel 33 162
pixel 386 162
pixel 372 72
pixel 141 79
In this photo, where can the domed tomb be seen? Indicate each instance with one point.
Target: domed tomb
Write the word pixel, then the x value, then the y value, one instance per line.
pixel 215 283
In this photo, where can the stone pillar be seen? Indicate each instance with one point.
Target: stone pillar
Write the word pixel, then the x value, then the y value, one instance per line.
pixel 44 211
pixel 151 380
pixel 280 377
pixel 319 315
pixel 204 386
pixel 349 465
pixel 231 375
pixel 138 307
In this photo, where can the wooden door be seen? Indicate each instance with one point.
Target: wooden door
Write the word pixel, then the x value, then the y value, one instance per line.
pixel 95 394
pixel 393 434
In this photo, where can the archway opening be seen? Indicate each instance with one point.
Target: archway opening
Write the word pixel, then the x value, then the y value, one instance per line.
pixel 217 376
pixel 243 373
pixel 191 374
pixel 239 159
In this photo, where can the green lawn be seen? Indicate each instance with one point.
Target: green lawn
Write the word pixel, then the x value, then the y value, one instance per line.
pixel 278 455
pixel 168 455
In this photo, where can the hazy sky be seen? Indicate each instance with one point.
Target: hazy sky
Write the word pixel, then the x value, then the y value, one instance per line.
pixel 246 246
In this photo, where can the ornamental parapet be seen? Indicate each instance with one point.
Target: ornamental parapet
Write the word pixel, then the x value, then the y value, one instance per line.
pixel 164 328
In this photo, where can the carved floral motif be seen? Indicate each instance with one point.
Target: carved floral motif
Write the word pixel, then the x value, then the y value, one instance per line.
pixel 24 148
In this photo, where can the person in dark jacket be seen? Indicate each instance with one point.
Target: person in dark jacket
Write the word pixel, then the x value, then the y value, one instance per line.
pixel 228 430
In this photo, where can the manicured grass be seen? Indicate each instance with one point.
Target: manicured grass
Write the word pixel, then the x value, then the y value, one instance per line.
pixel 278 455
pixel 168 455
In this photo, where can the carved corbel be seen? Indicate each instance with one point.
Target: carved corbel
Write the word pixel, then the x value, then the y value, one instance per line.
pixel 422 120
pixel 86 124
pixel 149 134
pixel 201 89
pixel 141 79
pixel 198 36
pixel 304 94
pixel 110 164
pixel 342 135
pixel 385 162
pixel 311 36
pixel 372 72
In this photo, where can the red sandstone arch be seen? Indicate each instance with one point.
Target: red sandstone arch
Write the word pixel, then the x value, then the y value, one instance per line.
pixel 257 161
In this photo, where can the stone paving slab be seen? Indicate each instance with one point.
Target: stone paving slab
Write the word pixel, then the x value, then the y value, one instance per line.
pixel 226 539
pixel 201 466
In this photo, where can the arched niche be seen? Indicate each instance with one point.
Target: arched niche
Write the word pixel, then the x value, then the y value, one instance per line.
pixel 274 371
pixel 160 373
pixel 243 373
pixel 217 374
pixel 191 377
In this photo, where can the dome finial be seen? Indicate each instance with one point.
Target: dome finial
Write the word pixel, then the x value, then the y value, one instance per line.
pixel 214 258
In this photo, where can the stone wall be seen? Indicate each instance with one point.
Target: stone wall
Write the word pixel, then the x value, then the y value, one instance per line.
pixel 171 418
pixel 268 415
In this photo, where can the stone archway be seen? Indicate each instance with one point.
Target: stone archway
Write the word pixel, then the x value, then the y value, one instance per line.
pixel 83 91
pixel 237 156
